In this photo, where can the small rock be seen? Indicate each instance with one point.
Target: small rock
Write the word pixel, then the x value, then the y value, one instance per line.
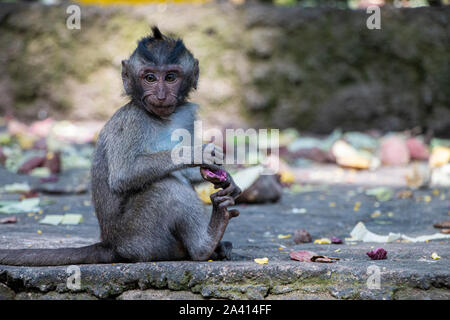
pixel 302 236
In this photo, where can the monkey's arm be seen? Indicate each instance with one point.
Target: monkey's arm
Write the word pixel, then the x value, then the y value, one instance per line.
pixel 193 175
pixel 132 172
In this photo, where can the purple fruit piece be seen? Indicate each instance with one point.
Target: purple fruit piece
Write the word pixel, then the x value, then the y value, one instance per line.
pixel 377 254
pixel 335 240
pixel 219 174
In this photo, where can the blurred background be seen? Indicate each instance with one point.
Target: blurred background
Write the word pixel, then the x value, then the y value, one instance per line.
pixel 310 68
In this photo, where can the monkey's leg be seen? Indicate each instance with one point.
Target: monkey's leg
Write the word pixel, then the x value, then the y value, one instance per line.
pixel 201 247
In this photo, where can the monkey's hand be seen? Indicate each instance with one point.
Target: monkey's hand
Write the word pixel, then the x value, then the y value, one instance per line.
pixel 221 179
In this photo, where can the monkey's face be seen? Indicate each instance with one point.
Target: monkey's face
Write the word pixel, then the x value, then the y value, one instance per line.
pixel 161 86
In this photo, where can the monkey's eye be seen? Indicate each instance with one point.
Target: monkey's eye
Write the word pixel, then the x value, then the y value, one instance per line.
pixel 150 77
pixel 171 77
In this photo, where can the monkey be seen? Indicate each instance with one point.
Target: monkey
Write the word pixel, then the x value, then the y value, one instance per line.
pixel 145 203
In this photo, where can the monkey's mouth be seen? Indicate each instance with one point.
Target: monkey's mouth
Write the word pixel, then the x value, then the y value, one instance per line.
pixel 163 109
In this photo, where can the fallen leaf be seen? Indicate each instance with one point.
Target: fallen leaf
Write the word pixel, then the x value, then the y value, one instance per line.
pixel 439 156
pixel 26 205
pixel 261 260
pixel 443 224
pixel 376 214
pixel 283 236
pixel 336 240
pixel 324 259
pixel 52 219
pixel 303 255
pixel 322 241
pixel 381 193
pixel 72 218
pixel 31 164
pixel 348 157
pixel 435 256
pixel 394 151
pixel 17 188
pixel 378 254
pixel 417 149
pixel 287 177
pixel 403 194
pixel 8 220
pixel 309 256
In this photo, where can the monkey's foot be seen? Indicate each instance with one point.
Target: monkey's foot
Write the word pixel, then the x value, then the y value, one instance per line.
pixel 221 203
pixel 223 251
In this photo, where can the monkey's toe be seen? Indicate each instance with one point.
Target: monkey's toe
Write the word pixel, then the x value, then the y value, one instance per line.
pixel 233 213
pixel 222 201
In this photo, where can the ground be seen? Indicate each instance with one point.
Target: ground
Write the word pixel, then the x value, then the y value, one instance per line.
pixel 409 272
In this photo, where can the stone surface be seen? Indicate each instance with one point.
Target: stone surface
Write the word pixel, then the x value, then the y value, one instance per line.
pixel 408 272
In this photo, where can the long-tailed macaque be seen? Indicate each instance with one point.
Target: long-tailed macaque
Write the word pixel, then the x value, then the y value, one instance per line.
pixel 146 206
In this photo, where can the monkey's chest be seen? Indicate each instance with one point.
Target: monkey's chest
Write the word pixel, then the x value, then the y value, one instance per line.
pixel 168 136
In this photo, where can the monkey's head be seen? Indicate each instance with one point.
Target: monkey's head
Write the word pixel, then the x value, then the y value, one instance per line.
pixel 160 73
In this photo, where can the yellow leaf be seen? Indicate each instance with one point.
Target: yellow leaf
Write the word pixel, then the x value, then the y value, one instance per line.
pixel 322 241
pixel 287 177
pixel 376 214
pixel 435 256
pixel 262 260
pixel 284 236
pixel 439 156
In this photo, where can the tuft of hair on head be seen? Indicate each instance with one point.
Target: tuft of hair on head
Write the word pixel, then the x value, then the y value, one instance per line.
pixel 157 33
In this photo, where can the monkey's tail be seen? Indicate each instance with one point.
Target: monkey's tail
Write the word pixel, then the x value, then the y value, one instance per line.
pixel 96 253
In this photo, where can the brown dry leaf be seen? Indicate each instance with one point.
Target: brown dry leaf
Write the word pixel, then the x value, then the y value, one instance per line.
pixel 302 255
pixel 309 256
pixel 8 220
pixel 443 224
pixel 324 259
pixel 403 194
pixel 445 231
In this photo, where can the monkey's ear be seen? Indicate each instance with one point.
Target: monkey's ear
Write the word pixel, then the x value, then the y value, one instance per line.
pixel 196 74
pixel 126 77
